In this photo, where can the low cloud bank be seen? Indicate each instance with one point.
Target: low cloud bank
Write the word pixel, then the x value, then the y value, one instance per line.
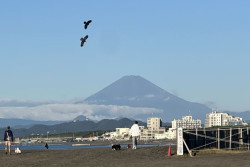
pixel 64 112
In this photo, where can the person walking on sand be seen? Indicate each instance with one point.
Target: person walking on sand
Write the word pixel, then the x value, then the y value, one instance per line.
pixel 8 138
pixel 135 133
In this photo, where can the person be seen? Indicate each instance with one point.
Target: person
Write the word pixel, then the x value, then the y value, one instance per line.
pixel 46 146
pixel 135 133
pixel 8 138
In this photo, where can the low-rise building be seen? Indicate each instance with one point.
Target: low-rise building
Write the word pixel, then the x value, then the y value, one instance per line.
pixel 171 133
pixel 122 133
pixel 222 119
pixel 187 122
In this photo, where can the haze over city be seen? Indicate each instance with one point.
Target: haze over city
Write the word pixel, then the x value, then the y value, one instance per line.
pixel 196 50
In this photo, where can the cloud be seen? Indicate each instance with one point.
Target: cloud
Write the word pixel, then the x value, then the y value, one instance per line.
pixel 64 112
pixel 5 102
pixel 150 96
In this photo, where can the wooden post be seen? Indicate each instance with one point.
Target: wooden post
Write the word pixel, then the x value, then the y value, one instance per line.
pixel 196 137
pixel 225 137
pixel 205 137
pixel 190 152
pixel 230 140
pixel 218 140
pixel 241 136
pixel 247 139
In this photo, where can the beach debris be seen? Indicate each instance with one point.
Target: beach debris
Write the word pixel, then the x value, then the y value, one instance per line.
pixel 17 150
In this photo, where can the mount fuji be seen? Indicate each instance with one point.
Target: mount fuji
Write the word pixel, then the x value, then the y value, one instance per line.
pixel 135 91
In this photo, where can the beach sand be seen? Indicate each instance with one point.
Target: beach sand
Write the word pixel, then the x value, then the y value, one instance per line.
pixel 105 157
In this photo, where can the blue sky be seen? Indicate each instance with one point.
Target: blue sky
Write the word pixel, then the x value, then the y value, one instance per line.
pixel 198 50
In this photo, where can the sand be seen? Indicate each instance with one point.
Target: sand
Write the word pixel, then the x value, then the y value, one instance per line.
pixel 105 157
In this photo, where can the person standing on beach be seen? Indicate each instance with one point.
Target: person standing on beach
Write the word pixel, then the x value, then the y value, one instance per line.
pixel 135 133
pixel 8 138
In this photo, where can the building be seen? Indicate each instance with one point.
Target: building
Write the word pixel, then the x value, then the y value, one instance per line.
pixel 222 119
pixel 171 133
pixel 154 129
pixel 122 133
pixel 154 123
pixel 187 122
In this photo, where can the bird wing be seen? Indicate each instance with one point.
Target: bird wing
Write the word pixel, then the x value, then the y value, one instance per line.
pixel 88 22
pixel 82 41
pixel 86 37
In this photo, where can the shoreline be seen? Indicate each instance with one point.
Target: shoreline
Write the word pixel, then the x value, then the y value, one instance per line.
pixel 105 157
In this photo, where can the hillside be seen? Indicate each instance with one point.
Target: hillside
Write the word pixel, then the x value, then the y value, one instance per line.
pixel 73 126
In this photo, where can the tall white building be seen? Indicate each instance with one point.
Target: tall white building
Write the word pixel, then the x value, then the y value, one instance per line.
pixel 222 119
pixel 153 130
pixel 187 122
pixel 154 123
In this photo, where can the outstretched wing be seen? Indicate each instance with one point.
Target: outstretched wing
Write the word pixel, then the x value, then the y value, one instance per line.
pixel 83 40
pixel 86 37
pixel 86 24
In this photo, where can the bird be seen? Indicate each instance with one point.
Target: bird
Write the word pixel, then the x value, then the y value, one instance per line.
pixel 83 40
pixel 86 23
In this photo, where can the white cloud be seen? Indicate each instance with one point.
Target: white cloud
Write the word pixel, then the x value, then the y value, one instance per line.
pixel 65 112
pixel 150 96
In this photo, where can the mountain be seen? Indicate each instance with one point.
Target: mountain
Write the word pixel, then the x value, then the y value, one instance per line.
pixel 24 123
pixel 135 91
pixel 74 126
pixel 80 118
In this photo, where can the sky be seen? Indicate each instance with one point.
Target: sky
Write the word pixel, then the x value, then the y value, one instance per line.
pixel 197 50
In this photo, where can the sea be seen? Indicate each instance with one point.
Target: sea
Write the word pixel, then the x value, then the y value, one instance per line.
pixel 68 146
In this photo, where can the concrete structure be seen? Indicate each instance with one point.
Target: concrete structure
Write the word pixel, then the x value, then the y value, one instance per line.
pixel 171 133
pixel 154 123
pixel 153 130
pixel 222 119
pixel 186 123
pixel 109 136
pixel 122 133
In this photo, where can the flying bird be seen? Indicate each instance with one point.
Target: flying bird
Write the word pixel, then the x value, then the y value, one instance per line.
pixel 86 23
pixel 83 40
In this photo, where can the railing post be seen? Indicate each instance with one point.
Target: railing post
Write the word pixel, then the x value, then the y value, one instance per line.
pixel 230 140
pixel 241 140
pixel 247 138
pixel 218 138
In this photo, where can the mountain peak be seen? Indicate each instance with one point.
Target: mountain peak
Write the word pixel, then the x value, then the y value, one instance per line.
pixel 135 91
pixel 127 87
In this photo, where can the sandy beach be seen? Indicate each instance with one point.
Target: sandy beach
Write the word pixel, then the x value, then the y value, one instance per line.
pixel 105 157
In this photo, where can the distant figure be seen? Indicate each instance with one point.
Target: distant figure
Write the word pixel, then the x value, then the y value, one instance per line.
pixel 83 40
pixel 135 132
pixel 8 138
pixel 46 146
pixel 86 23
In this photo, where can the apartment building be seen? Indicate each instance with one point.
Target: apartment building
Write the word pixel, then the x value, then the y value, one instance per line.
pixel 222 119
pixel 154 129
pixel 187 122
